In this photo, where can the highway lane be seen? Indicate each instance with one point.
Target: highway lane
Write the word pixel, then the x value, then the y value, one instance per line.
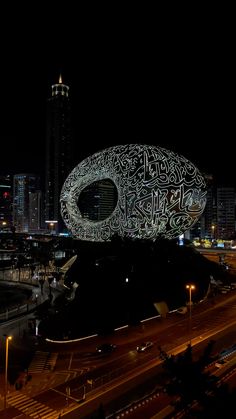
pixel 158 401
pixel 147 407
pixel 144 408
pixel 218 322
pixel 102 369
pixel 215 255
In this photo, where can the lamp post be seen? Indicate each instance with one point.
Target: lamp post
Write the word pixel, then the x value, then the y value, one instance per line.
pixel 52 226
pixel 213 231
pixel 6 368
pixel 190 287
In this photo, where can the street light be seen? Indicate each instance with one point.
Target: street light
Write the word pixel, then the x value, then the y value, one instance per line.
pixel 190 287
pixel 52 225
pixel 213 231
pixel 6 368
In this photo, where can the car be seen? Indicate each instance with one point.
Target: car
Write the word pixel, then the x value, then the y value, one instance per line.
pixel 182 310
pixel 220 363
pixel 144 346
pixel 106 348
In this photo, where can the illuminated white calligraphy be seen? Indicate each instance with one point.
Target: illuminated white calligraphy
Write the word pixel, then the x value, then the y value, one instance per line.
pixel 159 193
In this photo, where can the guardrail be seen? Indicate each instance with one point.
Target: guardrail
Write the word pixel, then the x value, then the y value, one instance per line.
pixel 9 275
pixel 9 314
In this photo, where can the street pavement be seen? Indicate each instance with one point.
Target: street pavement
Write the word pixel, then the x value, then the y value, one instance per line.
pixel 41 370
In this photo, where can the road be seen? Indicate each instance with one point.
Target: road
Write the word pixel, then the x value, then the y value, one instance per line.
pixel 72 371
pixel 215 255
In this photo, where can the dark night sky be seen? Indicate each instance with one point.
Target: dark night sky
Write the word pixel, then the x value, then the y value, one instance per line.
pixel 167 83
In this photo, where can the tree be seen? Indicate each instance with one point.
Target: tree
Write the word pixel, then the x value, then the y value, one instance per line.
pixel 100 413
pixel 188 379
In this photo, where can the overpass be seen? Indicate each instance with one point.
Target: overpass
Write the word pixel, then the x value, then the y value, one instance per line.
pixel 227 256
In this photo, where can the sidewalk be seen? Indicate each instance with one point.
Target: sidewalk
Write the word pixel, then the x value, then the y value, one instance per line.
pixel 30 384
pixel 39 296
pixel 23 346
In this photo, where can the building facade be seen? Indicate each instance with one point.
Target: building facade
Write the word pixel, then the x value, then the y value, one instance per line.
pixel 25 186
pixel 98 200
pixel 5 202
pixel 35 211
pixel 58 151
pixel 218 221
pixel 225 213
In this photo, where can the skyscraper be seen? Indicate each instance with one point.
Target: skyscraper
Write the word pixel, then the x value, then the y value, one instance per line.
pixel 5 202
pixel 24 185
pixel 98 200
pixel 225 212
pixel 58 150
pixel 35 211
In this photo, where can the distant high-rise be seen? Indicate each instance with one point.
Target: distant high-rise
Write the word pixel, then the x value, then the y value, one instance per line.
pixel 225 212
pixel 218 218
pixel 98 200
pixel 5 202
pixel 35 211
pixel 58 151
pixel 24 186
pixel 209 217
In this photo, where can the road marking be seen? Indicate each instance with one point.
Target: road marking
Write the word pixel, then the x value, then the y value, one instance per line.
pixel 30 406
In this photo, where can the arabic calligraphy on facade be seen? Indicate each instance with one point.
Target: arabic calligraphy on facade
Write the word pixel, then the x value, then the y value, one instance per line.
pixel 159 193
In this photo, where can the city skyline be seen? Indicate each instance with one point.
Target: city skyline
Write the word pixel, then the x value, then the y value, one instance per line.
pixel 204 152
pixel 174 92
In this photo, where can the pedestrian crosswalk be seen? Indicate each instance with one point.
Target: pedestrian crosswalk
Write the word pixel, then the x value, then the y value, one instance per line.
pixel 30 407
pixel 42 362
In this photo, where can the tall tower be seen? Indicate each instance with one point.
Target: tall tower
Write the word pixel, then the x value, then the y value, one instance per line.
pixel 225 212
pixel 58 151
pixel 24 186
pixel 5 202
